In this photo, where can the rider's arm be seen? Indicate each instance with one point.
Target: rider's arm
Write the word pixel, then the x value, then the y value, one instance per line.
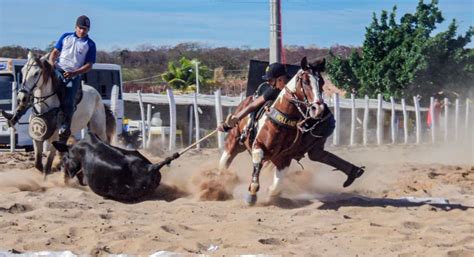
pixel 54 56
pixel 250 108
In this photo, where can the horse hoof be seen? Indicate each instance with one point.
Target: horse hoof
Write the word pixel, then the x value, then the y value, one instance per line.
pixel 254 187
pixel 251 200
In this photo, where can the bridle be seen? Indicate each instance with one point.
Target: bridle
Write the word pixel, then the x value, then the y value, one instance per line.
pixel 28 92
pixel 303 106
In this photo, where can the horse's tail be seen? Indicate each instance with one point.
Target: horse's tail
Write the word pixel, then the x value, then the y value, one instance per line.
pixel 110 125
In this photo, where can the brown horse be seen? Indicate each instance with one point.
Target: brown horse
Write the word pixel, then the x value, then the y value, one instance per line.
pixel 292 116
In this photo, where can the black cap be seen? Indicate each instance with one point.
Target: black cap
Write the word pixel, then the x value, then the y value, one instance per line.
pixel 274 71
pixel 83 21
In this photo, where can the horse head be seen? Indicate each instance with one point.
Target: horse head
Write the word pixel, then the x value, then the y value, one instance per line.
pixel 35 73
pixel 308 88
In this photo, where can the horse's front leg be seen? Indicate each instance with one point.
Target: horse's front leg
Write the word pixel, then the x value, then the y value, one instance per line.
pixel 38 146
pixel 49 160
pixel 275 188
pixel 257 159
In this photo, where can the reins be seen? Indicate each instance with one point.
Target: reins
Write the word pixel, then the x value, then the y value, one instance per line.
pixel 39 99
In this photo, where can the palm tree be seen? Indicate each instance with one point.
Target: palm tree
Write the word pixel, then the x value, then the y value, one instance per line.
pixel 182 75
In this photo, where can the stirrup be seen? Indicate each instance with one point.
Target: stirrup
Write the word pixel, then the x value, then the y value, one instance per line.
pixel 243 136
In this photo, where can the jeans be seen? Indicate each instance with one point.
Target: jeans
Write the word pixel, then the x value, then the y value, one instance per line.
pixel 68 102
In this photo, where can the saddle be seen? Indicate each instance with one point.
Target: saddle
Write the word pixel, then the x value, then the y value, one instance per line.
pixel 62 93
pixel 251 130
pixel 43 125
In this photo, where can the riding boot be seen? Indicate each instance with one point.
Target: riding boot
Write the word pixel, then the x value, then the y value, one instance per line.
pixel 65 130
pixel 243 136
pixel 248 130
pixel 12 119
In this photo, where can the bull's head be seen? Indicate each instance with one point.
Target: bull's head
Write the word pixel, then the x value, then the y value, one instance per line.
pixel 71 158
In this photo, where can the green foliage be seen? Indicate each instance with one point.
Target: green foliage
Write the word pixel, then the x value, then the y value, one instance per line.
pixel 403 59
pixel 181 75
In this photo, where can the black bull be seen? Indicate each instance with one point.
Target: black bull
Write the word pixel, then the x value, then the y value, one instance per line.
pixel 110 171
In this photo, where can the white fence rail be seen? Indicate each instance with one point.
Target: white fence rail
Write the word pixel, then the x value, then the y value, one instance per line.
pixel 451 125
pixel 398 112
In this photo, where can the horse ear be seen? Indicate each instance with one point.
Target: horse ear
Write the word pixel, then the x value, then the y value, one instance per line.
pixel 61 147
pixel 45 57
pixel 304 63
pixel 30 55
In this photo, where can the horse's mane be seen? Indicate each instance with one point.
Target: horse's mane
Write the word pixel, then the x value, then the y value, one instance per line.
pixel 47 71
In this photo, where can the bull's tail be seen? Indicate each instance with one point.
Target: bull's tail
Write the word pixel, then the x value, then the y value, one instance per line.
pixel 110 124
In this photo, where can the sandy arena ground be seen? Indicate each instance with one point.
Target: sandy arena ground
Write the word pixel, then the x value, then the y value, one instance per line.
pixel 195 211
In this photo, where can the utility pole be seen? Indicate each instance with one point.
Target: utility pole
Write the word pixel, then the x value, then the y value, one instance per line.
pixel 275 31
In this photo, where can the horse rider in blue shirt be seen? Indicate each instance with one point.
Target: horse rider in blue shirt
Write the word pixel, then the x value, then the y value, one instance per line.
pixel 72 56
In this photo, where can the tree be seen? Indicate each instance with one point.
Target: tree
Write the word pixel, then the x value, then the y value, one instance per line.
pixel 403 59
pixel 183 74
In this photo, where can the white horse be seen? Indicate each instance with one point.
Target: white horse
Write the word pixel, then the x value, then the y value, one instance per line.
pixel 40 89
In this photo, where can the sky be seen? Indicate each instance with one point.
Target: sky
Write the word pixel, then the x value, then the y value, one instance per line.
pixel 230 23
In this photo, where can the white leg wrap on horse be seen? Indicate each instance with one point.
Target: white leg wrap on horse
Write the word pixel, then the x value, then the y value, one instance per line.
pixel 257 156
pixel 222 162
pixel 275 188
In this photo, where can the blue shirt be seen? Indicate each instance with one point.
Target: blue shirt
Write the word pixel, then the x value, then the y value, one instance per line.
pixel 75 51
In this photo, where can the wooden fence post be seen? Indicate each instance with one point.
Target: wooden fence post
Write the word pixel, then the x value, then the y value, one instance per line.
pixel 353 120
pixel 114 99
pixel 434 120
pixel 418 119
pixel 219 118
pixel 456 121
pixel 446 119
pixel 392 121
pixel 337 116
pixel 12 129
pixel 379 119
pixel 113 104
pixel 191 124
pixel 365 123
pixel 148 124
pixel 172 103
pixel 196 119
pixel 142 114
pixel 405 121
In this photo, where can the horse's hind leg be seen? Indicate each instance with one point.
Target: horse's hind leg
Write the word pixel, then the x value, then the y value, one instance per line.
pixel 275 188
pixel 97 123
pixel 38 146
pixel 225 160
pixel 228 156
pixel 257 159
pixel 232 148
